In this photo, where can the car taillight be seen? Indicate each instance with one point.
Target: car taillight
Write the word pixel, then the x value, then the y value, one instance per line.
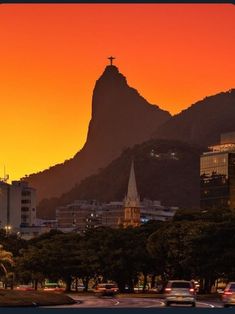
pixel 191 290
pixel 228 292
pixel 167 290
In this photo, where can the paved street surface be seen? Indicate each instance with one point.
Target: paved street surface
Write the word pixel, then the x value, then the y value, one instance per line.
pixel 110 302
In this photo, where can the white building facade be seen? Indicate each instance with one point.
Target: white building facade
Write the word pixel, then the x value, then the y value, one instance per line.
pixel 17 206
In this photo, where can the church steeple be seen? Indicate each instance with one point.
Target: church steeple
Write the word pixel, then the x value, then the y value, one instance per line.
pixel 132 198
pixel 132 202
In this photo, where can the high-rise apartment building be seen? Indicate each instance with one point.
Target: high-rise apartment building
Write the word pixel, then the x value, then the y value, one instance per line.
pixel 17 206
pixel 217 174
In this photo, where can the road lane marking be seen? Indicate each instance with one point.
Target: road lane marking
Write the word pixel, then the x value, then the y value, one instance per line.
pixel 208 304
pixel 159 302
pixel 116 302
pixel 112 299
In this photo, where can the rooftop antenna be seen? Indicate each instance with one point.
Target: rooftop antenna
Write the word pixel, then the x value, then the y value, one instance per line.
pixel 5 176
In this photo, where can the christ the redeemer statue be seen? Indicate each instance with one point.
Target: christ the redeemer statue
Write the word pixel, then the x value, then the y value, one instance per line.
pixel 111 60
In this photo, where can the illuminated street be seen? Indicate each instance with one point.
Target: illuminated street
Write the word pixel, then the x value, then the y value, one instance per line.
pixel 129 302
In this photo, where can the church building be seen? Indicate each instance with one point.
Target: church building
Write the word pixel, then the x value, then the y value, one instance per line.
pixel 132 203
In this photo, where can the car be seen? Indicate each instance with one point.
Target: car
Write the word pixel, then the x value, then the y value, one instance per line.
pixel 106 289
pixel 53 287
pixel 180 292
pixel 25 288
pixel 228 296
pixel 196 285
pixel 80 288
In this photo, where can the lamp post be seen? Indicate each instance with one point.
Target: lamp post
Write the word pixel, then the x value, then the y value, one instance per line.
pixel 8 229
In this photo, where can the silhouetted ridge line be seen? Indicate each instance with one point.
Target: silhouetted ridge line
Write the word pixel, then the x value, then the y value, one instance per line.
pixel 203 122
pixel 120 118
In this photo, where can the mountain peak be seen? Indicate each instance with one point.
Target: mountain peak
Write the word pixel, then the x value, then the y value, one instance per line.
pixel 121 118
pixel 112 75
pixel 111 69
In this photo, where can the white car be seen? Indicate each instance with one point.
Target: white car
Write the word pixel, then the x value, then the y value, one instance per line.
pixel 106 289
pixel 228 296
pixel 180 292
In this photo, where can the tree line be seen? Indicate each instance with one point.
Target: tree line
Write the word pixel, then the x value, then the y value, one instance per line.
pixel 194 245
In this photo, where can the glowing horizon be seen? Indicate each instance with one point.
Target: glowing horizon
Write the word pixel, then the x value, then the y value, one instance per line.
pixel 52 54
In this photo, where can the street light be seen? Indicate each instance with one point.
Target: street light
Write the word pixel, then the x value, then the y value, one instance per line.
pixel 8 229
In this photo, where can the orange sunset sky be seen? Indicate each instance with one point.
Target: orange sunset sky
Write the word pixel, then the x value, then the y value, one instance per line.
pixel 52 54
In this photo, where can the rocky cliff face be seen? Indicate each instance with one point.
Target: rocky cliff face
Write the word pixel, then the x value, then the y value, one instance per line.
pixel 203 122
pixel 121 118
pixel 159 176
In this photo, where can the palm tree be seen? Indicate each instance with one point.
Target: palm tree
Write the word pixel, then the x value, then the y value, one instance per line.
pixel 5 258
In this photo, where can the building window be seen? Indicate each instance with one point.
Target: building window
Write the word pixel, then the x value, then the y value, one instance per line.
pixel 24 209
pixel 25 201
pixel 26 193
pixel 24 218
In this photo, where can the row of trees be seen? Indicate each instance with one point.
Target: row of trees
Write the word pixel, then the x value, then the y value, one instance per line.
pixel 196 245
pixel 113 254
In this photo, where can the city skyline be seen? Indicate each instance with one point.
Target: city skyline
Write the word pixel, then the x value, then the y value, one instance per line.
pixel 174 55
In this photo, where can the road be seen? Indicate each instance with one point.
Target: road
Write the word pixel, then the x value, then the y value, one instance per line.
pixel 112 302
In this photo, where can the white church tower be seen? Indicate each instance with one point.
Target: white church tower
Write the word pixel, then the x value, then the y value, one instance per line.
pixel 132 202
